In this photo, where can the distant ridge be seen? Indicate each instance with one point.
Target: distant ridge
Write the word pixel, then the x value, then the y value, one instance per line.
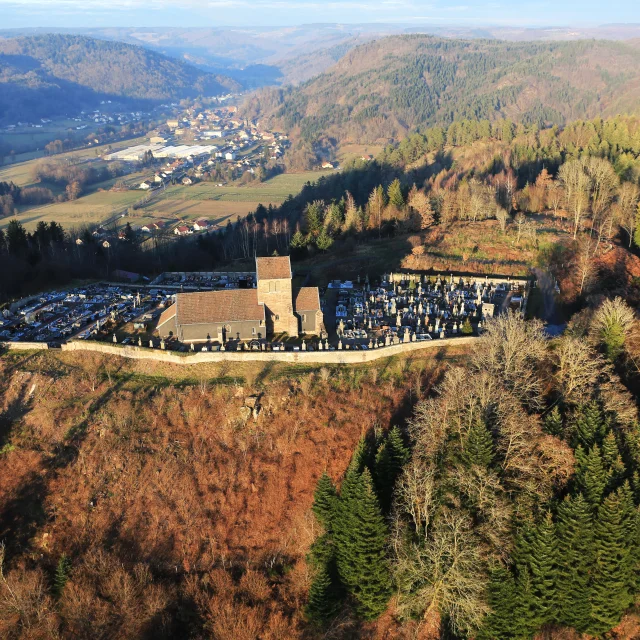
pixel 380 90
pixel 53 74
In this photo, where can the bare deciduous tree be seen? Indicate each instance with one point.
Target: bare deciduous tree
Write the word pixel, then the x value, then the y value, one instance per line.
pixel 512 351
pixel 577 185
pixel 577 368
pixel 444 575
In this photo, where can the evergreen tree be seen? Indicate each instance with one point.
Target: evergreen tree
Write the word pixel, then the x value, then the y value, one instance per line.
pixel 610 592
pixel 613 460
pixel 589 426
pixel 542 562
pixel 325 595
pixel 391 457
pixel 553 422
pixel 63 569
pixel 298 241
pixel 503 600
pixel 525 622
pixel 361 536
pixel 324 500
pixel 324 240
pixel 575 553
pixel 591 476
pixel 467 329
pixel 478 448
pixel 394 194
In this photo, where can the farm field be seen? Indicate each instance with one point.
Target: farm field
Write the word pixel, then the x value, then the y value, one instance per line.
pixel 29 140
pixel 202 200
pixel 222 204
pixel 20 172
pixel 93 208
pixel 354 151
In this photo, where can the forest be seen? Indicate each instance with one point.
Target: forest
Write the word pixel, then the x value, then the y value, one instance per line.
pixel 509 505
pixel 383 90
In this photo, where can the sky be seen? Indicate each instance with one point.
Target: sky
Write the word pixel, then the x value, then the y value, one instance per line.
pixel 248 13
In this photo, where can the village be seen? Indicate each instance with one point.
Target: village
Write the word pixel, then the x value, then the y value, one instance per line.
pixel 265 310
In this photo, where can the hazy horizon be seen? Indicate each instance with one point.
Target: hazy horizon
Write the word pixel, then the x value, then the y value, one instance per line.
pixel 75 14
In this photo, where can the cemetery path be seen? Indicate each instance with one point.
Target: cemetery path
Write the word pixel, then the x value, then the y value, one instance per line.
pixel 546 286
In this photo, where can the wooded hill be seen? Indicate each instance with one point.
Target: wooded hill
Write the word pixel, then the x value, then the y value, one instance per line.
pixel 385 88
pixel 54 74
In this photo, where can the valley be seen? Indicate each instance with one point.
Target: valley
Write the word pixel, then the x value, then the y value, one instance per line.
pixel 319 330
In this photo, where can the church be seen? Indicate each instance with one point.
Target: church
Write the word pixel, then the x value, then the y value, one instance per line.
pixel 272 307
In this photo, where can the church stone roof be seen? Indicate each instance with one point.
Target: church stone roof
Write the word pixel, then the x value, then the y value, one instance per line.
pixel 273 268
pixel 232 305
pixel 307 299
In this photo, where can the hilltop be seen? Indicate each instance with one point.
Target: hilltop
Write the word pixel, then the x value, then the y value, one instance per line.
pixel 48 75
pixel 380 90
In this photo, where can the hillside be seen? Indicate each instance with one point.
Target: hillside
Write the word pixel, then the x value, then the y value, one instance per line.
pixel 381 90
pixel 54 74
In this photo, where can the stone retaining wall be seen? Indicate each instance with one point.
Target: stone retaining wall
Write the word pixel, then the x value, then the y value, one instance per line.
pixel 301 357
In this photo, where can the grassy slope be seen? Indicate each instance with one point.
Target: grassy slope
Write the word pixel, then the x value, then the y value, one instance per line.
pixel 126 464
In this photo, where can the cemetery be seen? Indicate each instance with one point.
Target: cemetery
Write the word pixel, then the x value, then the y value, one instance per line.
pixel 414 307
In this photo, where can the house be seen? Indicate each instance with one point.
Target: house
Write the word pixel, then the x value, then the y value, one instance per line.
pixel 230 156
pixel 328 165
pixel 269 309
pixel 147 184
pixel 187 180
pixel 201 225
pixel 173 124
pixel 308 310
pixel 182 230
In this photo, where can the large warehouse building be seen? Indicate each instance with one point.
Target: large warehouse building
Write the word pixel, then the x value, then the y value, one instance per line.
pixel 272 307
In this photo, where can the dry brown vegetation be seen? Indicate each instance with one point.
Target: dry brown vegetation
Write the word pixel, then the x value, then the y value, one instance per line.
pixel 181 514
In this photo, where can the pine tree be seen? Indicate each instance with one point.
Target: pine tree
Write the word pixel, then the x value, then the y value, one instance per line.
pixel 467 329
pixel 611 594
pixel 325 595
pixel 361 536
pixel 575 553
pixel 394 194
pixel 324 240
pixel 298 241
pixel 478 448
pixel 589 426
pixel 502 597
pixel 324 500
pixel 542 562
pixel 591 476
pixel 391 457
pixel 63 569
pixel 553 423
pixel 613 460
pixel 525 622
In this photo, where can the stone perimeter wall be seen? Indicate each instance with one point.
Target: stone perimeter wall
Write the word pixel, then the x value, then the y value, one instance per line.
pixel 24 346
pixel 301 357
